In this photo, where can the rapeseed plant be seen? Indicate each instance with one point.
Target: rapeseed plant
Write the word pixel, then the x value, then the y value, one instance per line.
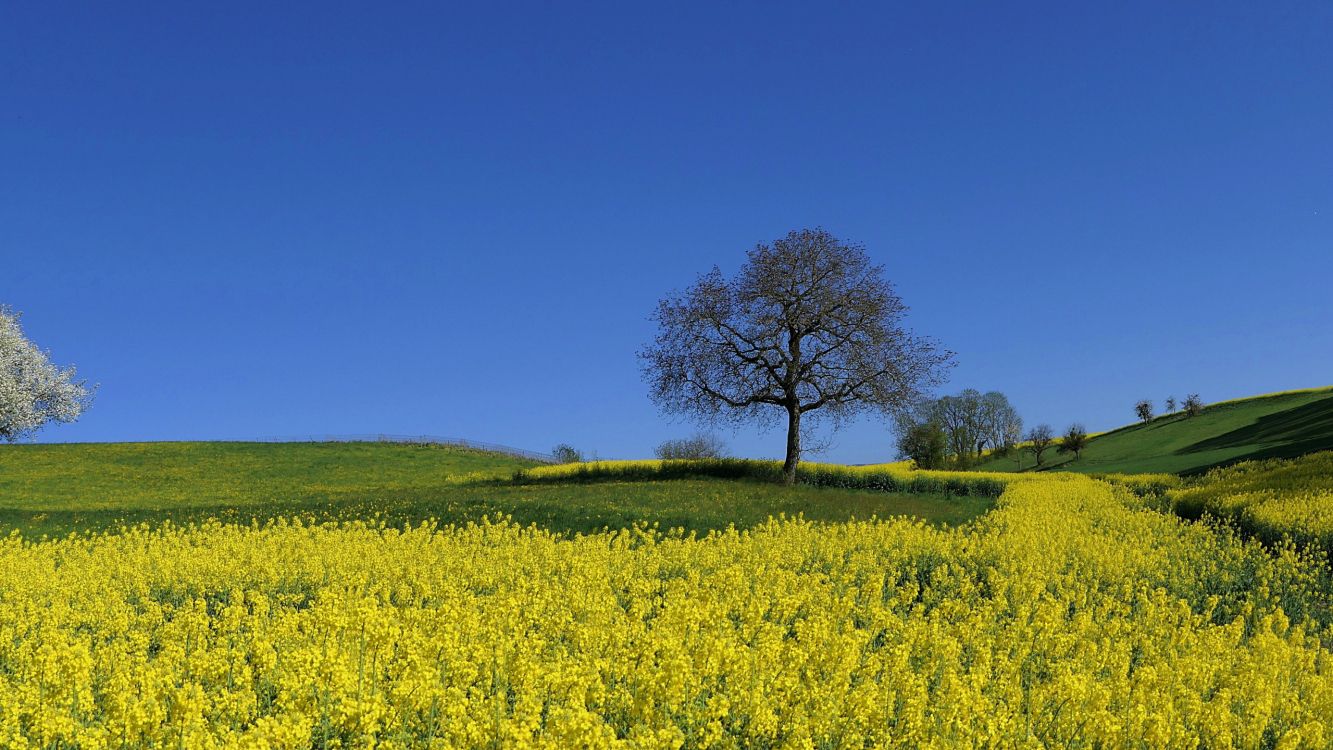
pixel 1274 500
pixel 1067 617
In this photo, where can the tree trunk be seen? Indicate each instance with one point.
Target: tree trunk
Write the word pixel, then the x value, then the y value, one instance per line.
pixel 793 445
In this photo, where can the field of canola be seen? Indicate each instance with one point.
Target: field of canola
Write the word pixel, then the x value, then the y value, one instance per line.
pixel 894 477
pixel 1067 617
pixel 1272 500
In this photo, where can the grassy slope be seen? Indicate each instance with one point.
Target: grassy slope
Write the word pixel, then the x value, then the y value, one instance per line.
pixel 54 489
pixel 1283 425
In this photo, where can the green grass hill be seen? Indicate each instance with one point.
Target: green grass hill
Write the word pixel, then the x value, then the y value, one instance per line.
pixel 1279 425
pixel 55 489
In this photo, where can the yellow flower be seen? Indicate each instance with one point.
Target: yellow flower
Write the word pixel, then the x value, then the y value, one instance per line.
pixel 1070 616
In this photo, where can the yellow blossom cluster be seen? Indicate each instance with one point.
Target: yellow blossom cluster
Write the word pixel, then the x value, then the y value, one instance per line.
pixel 892 477
pixel 1143 484
pixel 1273 500
pixel 1067 617
pixel 901 469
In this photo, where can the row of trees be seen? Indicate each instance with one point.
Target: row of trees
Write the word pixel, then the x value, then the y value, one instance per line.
pixel 962 429
pixel 1041 438
pixel 958 428
pixel 699 445
pixel 1191 406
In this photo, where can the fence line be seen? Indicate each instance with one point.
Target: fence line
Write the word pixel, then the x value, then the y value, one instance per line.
pixel 413 440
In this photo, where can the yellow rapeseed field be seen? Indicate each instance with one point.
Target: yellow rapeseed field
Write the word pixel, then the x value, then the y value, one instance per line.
pixel 892 477
pixel 900 469
pixel 1274 500
pixel 1067 617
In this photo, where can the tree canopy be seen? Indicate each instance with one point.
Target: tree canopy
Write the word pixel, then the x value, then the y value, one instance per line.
pixel 808 326
pixel 33 391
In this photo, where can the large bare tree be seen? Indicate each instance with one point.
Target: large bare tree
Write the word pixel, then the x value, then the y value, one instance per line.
pixel 809 326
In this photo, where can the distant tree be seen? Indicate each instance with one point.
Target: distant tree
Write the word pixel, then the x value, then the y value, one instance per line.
pixel 1144 410
pixel 960 417
pixel 808 328
pixel 1001 424
pixel 1192 405
pixel 1039 439
pixel 1075 440
pixel 971 422
pixel 699 446
pixel 924 443
pixel 565 453
pixel 1170 404
pixel 1013 435
pixel 33 391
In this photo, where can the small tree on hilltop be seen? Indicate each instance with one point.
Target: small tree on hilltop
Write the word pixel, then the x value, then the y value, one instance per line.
pixel 924 443
pixel 1075 440
pixel 1039 439
pixel 809 327
pixel 960 417
pixel 973 421
pixel 1192 405
pixel 1001 425
pixel 565 453
pixel 1013 435
pixel 1170 404
pixel 693 448
pixel 33 391
pixel 1144 410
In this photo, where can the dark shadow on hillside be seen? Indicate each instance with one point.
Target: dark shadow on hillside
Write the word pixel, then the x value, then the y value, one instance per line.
pixel 1286 434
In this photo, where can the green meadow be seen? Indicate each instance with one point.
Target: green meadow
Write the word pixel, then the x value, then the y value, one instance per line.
pixel 56 489
pixel 1281 425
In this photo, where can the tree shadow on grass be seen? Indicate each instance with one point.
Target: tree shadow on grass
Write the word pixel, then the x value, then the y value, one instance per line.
pixel 1285 434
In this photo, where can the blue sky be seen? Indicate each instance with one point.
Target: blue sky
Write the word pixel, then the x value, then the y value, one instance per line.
pixel 274 219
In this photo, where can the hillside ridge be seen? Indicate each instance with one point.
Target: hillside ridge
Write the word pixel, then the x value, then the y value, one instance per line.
pixel 1283 424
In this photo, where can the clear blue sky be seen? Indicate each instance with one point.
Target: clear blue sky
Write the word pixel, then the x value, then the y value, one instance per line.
pixel 269 219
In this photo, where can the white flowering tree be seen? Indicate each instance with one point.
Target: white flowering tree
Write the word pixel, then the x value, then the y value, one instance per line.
pixel 33 391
